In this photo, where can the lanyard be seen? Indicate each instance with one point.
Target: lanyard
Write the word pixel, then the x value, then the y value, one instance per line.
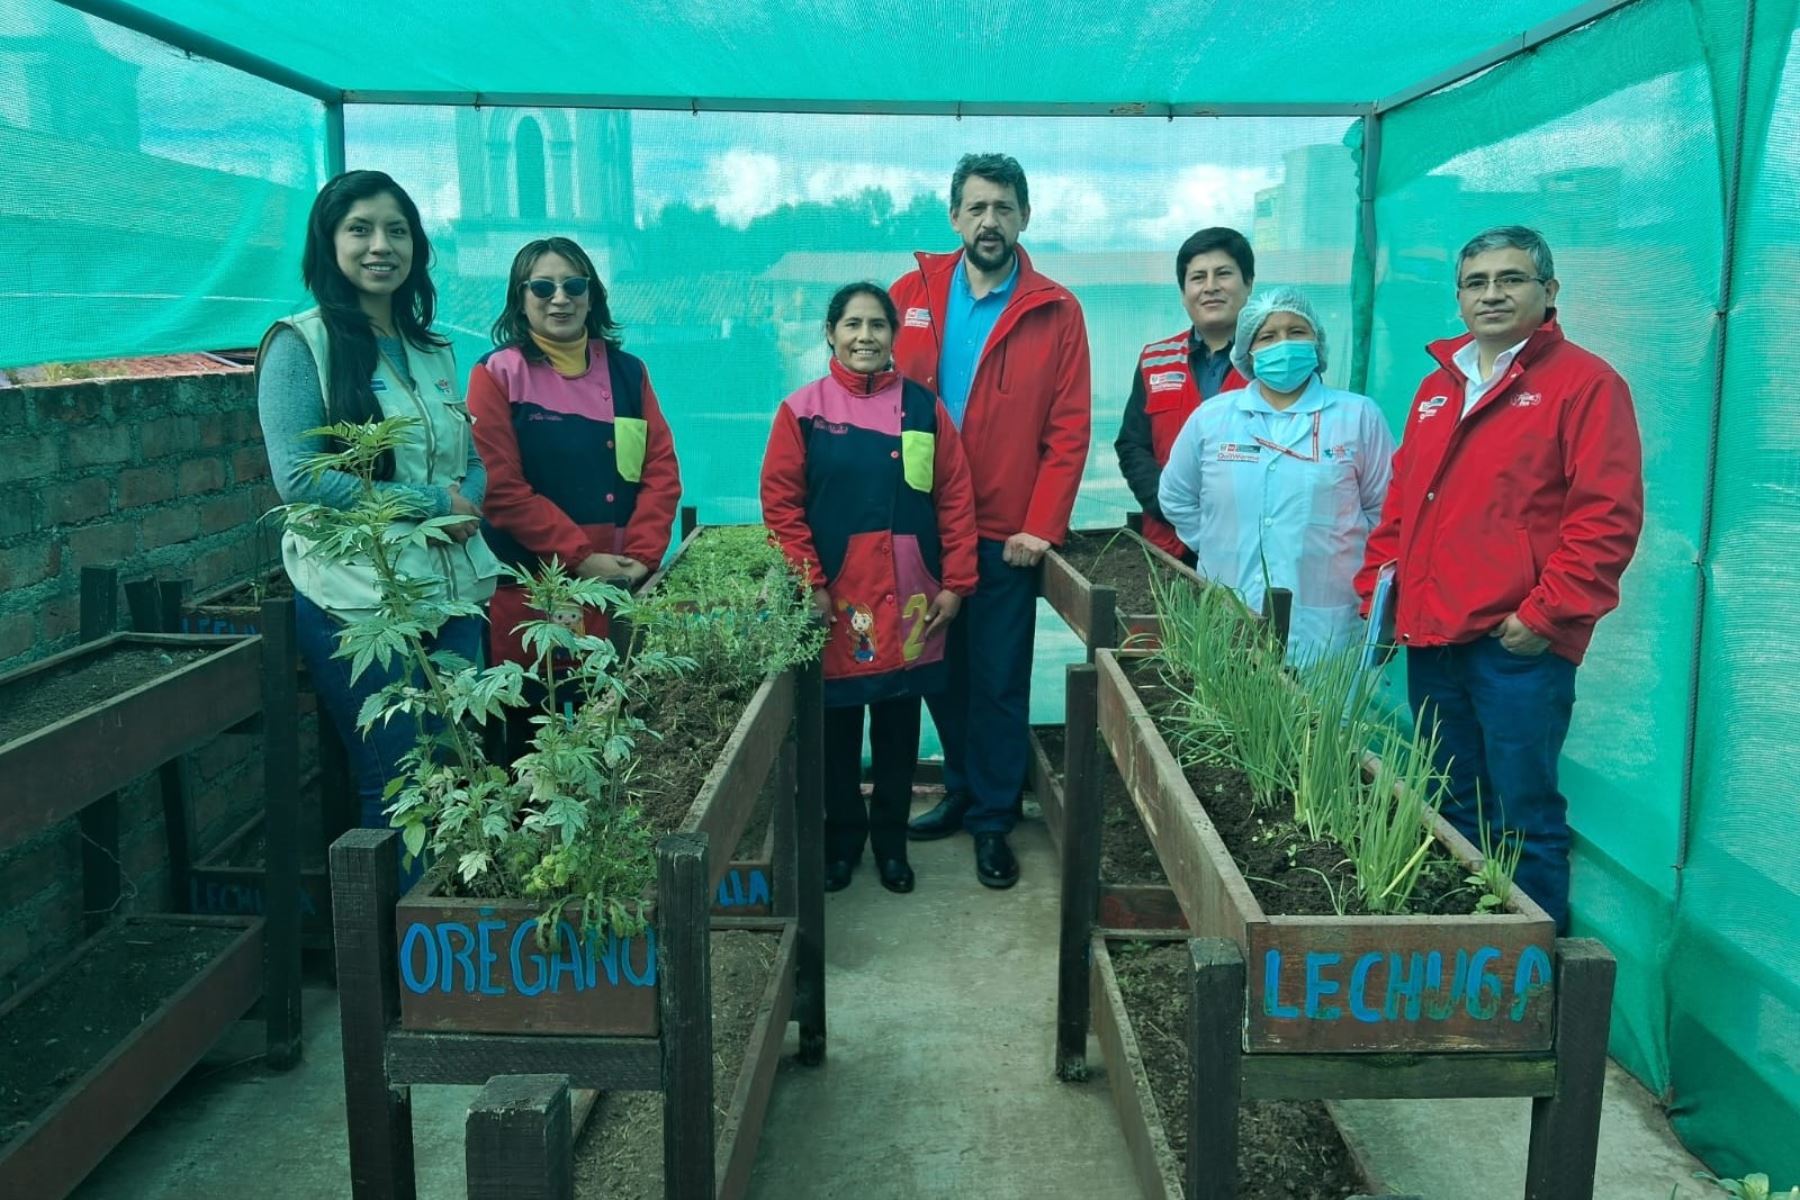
pixel 1292 453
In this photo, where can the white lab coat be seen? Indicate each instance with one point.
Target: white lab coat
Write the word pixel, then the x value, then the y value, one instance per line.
pixel 1300 490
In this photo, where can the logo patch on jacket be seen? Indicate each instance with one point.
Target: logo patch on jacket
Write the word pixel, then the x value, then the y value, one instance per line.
pixel 1240 452
pixel 1167 381
pixel 377 384
pixel 1527 400
pixel 443 385
pixel 917 318
pixel 1429 408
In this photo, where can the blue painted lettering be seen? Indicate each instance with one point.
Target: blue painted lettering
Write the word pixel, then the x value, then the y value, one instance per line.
pixel 518 965
pixel 455 957
pixel 647 976
pixel 1359 984
pixel 1272 1005
pixel 1533 975
pixel 418 936
pixel 1443 1001
pixel 1482 980
pixel 1318 987
pixel 567 959
pixel 609 958
pixel 1409 985
pixel 759 888
pixel 488 955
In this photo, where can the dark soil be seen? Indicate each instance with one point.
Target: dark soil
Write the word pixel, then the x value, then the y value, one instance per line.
pixel 40 700
pixel 1118 561
pixel 1126 853
pixel 621 1155
pixel 693 717
pixel 1279 862
pixel 67 1027
pixel 1287 1150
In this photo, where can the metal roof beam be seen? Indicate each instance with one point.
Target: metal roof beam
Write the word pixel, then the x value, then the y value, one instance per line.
pixel 131 17
pixel 1537 35
pixel 939 108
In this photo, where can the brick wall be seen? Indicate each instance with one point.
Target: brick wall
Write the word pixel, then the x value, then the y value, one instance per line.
pixel 161 476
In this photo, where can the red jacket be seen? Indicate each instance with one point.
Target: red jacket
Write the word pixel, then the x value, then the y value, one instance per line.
pixel 1166 375
pixel 1026 427
pixel 1532 503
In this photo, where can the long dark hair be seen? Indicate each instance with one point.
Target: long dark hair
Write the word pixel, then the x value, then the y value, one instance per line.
pixel 840 300
pixel 512 329
pixel 349 335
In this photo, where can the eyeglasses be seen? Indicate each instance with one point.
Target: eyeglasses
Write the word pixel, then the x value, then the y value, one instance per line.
pixel 574 287
pixel 1510 281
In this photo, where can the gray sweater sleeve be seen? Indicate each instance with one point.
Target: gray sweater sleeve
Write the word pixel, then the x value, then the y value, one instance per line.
pixel 289 402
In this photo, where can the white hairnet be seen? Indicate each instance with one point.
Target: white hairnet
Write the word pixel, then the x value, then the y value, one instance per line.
pixel 1258 309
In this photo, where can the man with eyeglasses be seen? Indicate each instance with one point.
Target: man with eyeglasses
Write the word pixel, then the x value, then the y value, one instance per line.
pixel 1515 507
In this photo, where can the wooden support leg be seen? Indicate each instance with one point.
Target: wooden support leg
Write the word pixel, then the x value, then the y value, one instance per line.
pixel 1565 1126
pixel 785 885
pixel 1080 869
pixel 1216 1068
pixel 365 870
pixel 684 998
pixel 1103 619
pixel 809 862
pixel 164 616
pixel 1278 611
pixel 690 520
pixel 519 1141
pixel 281 820
pixel 99 821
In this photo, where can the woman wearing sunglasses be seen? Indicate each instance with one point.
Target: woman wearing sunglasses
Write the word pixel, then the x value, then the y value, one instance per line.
pixel 365 352
pixel 581 466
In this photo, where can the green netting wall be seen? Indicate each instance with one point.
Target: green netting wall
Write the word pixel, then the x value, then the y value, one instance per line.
pixel 150 201
pixel 722 236
pixel 1618 142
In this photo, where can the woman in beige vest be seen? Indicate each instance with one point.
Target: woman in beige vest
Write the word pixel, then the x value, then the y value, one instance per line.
pixel 367 352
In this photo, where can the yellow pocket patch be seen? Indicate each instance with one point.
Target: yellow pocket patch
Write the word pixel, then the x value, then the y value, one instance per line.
pixel 918 453
pixel 630 435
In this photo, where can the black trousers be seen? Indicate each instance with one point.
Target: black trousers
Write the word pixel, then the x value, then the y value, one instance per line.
pixel 894 754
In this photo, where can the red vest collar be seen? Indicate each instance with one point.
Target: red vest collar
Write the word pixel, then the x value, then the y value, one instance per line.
pixel 860 384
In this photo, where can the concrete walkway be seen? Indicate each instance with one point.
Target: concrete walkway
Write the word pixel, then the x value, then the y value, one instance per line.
pixel 937 1086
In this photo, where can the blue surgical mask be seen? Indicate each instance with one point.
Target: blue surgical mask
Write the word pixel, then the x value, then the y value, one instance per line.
pixel 1285 366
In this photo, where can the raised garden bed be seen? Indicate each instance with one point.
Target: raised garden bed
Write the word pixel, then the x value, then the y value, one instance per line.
pixel 144 698
pixel 236 607
pixel 1102 583
pixel 95 1042
pixel 1134 891
pixel 1287 1150
pixel 1308 1005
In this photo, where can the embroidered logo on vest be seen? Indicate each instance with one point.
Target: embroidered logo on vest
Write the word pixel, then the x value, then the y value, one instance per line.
pixel 1429 408
pixel 1167 381
pixel 918 318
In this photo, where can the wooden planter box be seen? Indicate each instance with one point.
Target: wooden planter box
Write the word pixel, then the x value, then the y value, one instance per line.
pixel 735 1155
pixel 472 966
pixel 94 1113
pixel 233 608
pixel 1338 984
pixel 1091 609
pixel 1122 905
pixel 219 887
pixel 52 772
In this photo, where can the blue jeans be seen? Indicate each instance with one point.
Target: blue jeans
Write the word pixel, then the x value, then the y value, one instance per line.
pixel 1501 720
pixel 983 715
pixel 374 758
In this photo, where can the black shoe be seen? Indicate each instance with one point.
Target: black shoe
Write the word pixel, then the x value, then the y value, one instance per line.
pixel 837 874
pixel 940 822
pixel 896 875
pixel 995 865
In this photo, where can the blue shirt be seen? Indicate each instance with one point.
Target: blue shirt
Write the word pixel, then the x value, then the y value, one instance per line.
pixel 967 324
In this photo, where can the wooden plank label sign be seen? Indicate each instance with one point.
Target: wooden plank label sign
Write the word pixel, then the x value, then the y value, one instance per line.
pixel 743 890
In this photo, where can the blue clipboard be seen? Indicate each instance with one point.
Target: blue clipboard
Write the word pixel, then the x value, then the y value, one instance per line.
pixel 1378 638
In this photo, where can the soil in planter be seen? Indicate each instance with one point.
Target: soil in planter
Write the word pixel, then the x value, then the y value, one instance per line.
pixel 1118 561
pixel 694 717
pixel 621 1155
pixel 1126 853
pixel 1287 1149
pixel 67 1027
pixel 43 698
pixel 1288 872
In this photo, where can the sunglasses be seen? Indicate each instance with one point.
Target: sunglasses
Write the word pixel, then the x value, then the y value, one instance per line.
pixel 574 287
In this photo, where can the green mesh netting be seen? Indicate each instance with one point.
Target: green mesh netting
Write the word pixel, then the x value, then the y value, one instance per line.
pixel 154 201
pixel 150 201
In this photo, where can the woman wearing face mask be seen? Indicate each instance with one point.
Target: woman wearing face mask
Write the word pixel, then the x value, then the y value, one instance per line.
pixel 581 465
pixel 1283 479
pixel 367 352
pixel 866 490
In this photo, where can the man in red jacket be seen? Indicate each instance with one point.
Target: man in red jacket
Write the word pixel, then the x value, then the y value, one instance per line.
pixel 1215 270
pixel 1006 350
pixel 1515 507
